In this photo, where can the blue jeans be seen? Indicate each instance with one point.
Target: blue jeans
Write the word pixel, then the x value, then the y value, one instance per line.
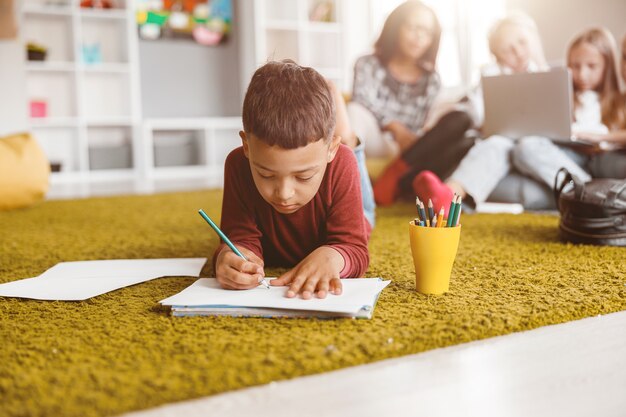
pixel 367 194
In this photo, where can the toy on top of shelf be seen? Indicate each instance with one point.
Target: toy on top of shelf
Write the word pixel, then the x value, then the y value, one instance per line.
pixel 97 4
pixel 208 22
pixel 322 11
pixel 205 36
pixel 36 52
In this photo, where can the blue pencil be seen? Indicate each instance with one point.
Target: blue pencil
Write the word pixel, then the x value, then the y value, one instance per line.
pixel 227 240
pixel 431 211
pixel 422 212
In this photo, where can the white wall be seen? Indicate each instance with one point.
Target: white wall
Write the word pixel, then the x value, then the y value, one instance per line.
pixel 12 88
pixel 560 20
pixel 180 78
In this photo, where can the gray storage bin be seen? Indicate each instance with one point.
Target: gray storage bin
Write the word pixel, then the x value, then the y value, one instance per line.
pixel 110 157
pixel 176 148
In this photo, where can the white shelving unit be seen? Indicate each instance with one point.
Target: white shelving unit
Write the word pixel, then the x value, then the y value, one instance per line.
pixel 176 148
pixel 94 110
pixel 93 116
pixel 289 29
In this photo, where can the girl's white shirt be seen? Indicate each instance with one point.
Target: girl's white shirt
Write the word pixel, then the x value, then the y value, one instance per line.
pixel 588 114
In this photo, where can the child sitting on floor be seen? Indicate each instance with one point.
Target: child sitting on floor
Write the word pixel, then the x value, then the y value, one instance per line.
pixel 611 163
pixel 292 194
pixel 590 58
pixel 514 42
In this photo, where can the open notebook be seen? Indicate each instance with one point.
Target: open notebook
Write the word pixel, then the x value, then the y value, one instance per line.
pixel 205 297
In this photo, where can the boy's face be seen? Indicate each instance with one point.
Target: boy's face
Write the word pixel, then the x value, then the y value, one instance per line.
pixel 288 178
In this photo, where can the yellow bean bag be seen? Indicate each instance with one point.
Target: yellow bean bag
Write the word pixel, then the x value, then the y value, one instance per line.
pixel 24 171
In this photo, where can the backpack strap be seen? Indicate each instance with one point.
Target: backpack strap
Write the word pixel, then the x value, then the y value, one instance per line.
pixel 579 186
pixel 559 185
pixel 615 191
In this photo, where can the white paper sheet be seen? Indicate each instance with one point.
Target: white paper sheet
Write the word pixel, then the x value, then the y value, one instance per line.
pixel 74 281
pixel 357 293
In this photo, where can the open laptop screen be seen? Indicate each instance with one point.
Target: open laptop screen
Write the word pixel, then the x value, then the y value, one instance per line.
pixel 529 104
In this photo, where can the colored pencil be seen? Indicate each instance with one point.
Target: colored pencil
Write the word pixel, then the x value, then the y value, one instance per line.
pixel 417 206
pixel 227 241
pixel 431 212
pixel 440 217
pixel 423 216
pixel 459 201
pixel 451 212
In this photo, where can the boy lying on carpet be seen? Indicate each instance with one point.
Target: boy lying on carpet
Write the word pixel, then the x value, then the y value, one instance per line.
pixel 292 193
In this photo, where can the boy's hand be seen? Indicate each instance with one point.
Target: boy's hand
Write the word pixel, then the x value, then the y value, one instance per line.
pixel 235 273
pixel 318 274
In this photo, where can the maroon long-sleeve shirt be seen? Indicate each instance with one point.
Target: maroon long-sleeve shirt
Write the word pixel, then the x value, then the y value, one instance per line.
pixel 334 217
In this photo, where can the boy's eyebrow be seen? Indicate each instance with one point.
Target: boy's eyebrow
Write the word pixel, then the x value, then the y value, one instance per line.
pixel 295 172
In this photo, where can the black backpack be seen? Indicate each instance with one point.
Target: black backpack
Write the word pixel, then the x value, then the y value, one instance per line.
pixel 593 212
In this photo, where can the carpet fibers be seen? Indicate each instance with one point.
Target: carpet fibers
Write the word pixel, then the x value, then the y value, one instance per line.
pixel 121 351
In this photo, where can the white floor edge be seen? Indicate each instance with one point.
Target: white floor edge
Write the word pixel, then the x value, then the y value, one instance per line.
pixel 571 369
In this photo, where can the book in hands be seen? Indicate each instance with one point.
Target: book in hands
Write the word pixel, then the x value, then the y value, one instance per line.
pixel 206 297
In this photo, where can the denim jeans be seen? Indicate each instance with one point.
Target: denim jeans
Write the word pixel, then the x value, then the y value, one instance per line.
pixel 367 194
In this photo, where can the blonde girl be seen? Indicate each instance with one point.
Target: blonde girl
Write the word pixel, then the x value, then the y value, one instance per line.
pixel 516 46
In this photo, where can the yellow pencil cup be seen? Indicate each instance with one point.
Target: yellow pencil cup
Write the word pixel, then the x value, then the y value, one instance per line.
pixel 434 250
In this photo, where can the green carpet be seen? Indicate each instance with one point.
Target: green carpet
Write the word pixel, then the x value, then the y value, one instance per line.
pixel 121 351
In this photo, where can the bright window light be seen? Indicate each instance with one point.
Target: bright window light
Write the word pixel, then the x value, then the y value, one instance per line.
pixel 463 48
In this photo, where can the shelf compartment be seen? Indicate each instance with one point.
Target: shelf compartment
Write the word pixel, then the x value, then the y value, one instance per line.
pixel 179 148
pixel 53 122
pixel 103 14
pixel 103 41
pixel 105 96
pixel 40 8
pixel 60 146
pixel 282 44
pixel 321 11
pixel 281 10
pixel 57 89
pixel 111 68
pixel 50 66
pixel 53 32
pixel 110 148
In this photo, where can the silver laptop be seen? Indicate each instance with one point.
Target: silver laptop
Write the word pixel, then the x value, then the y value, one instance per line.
pixel 529 104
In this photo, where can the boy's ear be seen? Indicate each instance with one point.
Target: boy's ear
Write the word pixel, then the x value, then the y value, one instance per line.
pixel 244 142
pixel 334 146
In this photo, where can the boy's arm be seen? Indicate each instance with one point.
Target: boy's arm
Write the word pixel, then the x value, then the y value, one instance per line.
pixel 238 218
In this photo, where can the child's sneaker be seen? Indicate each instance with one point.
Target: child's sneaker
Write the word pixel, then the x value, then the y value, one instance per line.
pixel 427 185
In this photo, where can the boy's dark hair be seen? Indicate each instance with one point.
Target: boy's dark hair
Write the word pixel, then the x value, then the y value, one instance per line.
pixel 288 105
